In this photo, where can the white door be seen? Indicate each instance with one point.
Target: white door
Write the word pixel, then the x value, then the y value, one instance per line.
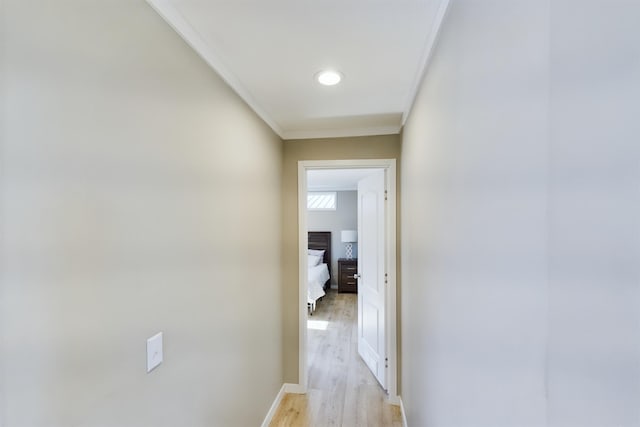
pixel 371 270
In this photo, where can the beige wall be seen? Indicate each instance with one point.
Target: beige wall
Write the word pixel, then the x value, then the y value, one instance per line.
pixel 371 147
pixel 521 281
pixel 130 206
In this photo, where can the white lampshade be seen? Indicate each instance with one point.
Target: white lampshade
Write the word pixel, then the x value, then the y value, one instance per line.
pixel 349 236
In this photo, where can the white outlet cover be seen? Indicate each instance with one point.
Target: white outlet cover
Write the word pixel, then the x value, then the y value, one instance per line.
pixel 154 351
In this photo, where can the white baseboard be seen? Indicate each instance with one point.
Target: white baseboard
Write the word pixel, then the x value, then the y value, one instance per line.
pixel 394 400
pixel 286 388
pixel 294 388
pixel 274 407
pixel 404 415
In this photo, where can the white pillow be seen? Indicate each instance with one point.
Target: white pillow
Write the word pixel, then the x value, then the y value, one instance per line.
pixel 314 260
pixel 316 252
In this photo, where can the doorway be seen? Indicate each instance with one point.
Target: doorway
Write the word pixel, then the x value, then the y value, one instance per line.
pixel 387 374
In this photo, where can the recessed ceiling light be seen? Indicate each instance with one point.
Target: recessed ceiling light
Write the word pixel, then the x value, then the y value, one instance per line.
pixel 328 77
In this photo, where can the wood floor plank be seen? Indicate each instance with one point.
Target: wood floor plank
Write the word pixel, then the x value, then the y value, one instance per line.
pixel 342 391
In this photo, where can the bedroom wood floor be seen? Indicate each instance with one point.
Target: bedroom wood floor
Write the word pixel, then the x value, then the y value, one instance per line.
pixel 342 391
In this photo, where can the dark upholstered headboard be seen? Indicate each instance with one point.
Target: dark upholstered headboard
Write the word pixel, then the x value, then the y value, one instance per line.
pixel 321 240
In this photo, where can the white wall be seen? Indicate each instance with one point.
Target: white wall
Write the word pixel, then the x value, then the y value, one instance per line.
pixel 520 223
pixel 345 217
pixel 130 206
pixel 594 214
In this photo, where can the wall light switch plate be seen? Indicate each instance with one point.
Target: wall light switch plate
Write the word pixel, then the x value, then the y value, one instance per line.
pixel 154 351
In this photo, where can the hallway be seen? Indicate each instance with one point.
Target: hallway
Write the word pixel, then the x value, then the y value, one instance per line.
pixel 342 391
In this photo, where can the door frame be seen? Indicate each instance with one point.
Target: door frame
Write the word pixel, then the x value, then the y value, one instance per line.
pixel 391 343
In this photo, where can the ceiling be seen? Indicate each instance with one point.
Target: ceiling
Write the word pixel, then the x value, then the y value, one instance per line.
pixel 336 179
pixel 269 52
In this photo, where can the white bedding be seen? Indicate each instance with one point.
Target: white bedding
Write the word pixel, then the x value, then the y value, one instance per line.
pixel 318 276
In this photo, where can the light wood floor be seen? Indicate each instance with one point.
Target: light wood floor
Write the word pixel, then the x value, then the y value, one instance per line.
pixel 342 391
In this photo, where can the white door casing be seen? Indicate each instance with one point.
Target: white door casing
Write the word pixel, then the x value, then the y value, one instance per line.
pixel 371 272
pixel 389 165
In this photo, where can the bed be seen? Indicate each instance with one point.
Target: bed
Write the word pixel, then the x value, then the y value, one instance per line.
pixel 319 270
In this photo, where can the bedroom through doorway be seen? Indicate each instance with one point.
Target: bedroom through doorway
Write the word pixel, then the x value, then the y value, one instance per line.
pixel 341 361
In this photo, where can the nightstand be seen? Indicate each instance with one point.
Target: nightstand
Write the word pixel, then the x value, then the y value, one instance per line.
pixel 347 268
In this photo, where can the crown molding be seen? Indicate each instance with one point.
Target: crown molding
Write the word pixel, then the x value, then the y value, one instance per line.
pixel 176 20
pixel 429 47
pixel 341 133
